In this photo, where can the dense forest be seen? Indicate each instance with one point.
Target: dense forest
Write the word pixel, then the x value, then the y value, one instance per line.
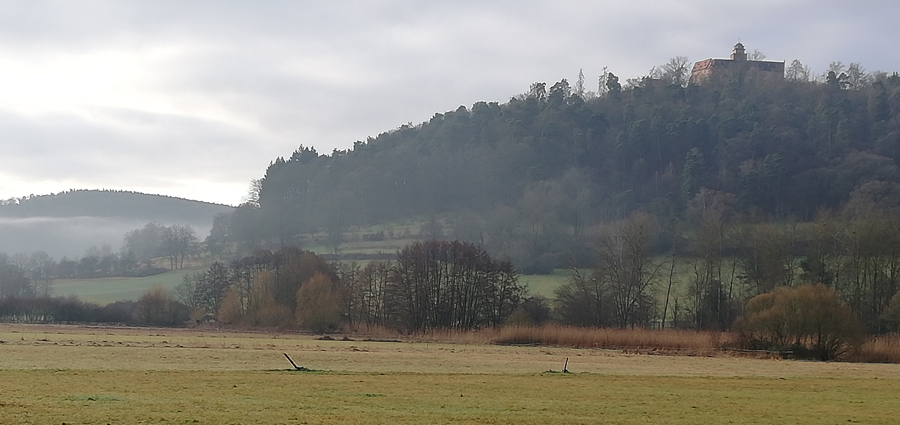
pixel 526 178
pixel 683 200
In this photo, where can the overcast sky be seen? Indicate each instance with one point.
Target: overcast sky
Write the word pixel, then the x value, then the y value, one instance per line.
pixel 194 99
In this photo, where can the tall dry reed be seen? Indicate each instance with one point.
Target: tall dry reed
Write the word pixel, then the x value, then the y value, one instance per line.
pixel 878 349
pixel 641 339
pixel 569 336
pixel 481 336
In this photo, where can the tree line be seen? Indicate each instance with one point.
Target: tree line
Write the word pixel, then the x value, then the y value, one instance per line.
pixel 47 309
pixel 110 203
pixel 174 242
pixel 652 273
pixel 27 275
pixel 433 284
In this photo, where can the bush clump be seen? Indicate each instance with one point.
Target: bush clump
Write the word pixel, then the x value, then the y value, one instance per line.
pixel 809 321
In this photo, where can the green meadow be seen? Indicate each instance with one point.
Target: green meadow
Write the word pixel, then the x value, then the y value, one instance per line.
pixel 111 289
pixel 106 290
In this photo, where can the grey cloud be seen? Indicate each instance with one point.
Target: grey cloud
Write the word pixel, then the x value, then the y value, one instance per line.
pixel 67 148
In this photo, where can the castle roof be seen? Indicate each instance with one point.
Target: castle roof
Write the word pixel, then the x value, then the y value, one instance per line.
pixel 706 68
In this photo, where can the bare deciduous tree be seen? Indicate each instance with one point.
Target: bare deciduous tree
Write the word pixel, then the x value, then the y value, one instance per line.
pixel 675 71
pixel 756 56
pixel 438 284
pixel 797 72
pixel 177 242
pixel 627 267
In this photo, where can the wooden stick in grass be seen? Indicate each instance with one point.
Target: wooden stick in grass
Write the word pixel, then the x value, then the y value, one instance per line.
pixel 297 367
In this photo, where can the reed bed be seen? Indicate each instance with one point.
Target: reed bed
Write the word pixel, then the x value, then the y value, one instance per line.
pixel 636 339
pixel 878 349
pixel 455 336
pixel 571 336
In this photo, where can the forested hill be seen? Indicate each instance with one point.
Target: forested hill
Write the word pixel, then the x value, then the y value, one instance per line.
pixel 527 176
pixel 113 204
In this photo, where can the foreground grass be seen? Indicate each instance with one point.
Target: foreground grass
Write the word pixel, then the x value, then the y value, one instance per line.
pixel 77 396
pixel 60 374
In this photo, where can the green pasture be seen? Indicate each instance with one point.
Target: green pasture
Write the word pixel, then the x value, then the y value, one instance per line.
pixel 111 289
pixel 396 237
pixel 106 290
pixel 545 284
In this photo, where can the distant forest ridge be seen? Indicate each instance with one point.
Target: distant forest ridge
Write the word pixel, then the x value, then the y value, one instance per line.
pixel 530 179
pixel 112 203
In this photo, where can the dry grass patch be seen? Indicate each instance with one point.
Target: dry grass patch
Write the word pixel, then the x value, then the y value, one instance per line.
pixel 59 374
pixel 28 347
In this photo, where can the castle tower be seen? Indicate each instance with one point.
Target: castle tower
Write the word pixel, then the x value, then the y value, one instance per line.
pixel 739 54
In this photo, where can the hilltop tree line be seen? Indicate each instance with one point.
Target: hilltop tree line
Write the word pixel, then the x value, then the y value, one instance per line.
pixel 109 203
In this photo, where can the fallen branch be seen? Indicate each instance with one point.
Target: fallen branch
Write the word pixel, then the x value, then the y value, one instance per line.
pixel 294 364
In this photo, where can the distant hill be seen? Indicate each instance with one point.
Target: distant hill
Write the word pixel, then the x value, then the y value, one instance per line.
pixel 111 203
pixel 528 177
pixel 67 223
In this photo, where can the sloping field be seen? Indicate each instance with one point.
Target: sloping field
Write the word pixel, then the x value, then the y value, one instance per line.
pixel 58 374
pixel 110 289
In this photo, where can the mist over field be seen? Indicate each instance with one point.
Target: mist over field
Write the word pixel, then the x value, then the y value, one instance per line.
pixel 68 223
pixel 70 236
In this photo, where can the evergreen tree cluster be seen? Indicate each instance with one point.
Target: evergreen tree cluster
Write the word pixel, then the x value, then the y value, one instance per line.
pixel 526 177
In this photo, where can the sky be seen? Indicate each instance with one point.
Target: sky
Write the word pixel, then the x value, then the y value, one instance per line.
pixel 194 99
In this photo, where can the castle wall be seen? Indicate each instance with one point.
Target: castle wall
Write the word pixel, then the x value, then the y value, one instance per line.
pixel 708 68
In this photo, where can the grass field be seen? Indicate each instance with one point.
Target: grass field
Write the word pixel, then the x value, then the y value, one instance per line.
pixel 545 284
pixel 106 290
pixel 60 374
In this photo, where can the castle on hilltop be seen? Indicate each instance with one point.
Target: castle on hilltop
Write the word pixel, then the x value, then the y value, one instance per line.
pixel 709 68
